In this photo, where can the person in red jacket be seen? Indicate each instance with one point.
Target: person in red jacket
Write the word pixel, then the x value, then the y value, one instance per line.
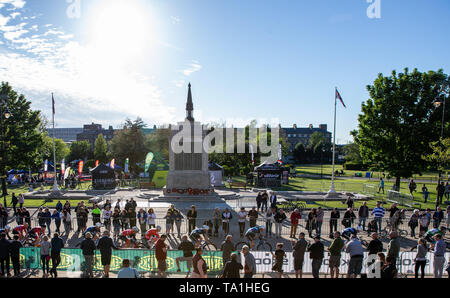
pixel 295 217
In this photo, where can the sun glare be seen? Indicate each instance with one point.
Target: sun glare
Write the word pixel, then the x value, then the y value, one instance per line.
pixel 121 28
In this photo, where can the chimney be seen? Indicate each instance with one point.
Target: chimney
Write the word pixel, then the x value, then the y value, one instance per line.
pixel 323 127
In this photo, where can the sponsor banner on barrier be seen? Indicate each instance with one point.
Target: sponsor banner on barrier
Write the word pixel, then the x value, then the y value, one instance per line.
pixel 142 260
pixel 405 263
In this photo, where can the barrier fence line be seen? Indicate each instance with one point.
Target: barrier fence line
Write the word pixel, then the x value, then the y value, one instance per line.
pixel 183 226
pixel 145 261
pixel 140 259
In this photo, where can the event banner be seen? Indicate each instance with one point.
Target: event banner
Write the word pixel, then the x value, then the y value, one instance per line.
pixel 405 264
pixel 142 260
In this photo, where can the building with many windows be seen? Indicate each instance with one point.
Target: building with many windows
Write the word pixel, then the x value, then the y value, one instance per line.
pixel 92 131
pixel 68 135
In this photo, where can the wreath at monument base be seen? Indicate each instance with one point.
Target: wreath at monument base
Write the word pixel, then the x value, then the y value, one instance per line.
pixel 189 191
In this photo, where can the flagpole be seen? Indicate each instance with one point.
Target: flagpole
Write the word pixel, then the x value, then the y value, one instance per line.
pixel 332 191
pixel 55 183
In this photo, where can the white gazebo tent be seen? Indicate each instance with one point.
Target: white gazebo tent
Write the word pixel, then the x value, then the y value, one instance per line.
pixel 215 174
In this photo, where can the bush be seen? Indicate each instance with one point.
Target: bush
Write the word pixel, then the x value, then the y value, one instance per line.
pixel 354 166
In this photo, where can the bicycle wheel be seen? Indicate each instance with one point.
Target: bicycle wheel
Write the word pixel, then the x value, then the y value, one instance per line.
pixel 403 233
pixel 239 245
pixel 383 233
pixel 264 246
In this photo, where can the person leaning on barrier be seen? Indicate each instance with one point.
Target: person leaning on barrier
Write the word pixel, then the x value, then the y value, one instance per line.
pixel 105 245
pixel 316 254
pixel 375 245
pixel 88 247
pixel 335 251
pixel 393 246
pixel 227 248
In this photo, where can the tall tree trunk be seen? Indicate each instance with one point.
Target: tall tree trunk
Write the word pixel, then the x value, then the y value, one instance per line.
pixel 397 183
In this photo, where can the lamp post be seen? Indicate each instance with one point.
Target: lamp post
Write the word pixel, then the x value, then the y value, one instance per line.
pixel 440 100
pixel 4 114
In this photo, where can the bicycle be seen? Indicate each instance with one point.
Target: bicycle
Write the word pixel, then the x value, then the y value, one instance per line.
pixel 388 228
pixel 206 245
pixel 262 245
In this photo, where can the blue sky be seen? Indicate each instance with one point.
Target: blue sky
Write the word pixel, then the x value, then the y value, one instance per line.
pixel 274 61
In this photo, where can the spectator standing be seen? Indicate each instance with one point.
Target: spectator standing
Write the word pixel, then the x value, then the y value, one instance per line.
pixel 5 247
pixel 187 247
pixel 356 251
pixel 381 186
pixel 151 219
pixel 217 218
pixel 132 214
pixel 15 247
pixel 349 217
pixel 126 271
pixel 389 270
pixel 116 222
pixel 295 217
pixel 226 218
pixel 311 221
pixel 88 247
pixel 335 250
pixel 258 200
pixel 269 218
pixel 21 200
pixel 412 187
pixel 279 256
pixel 169 223
pixel 242 215
pixel 57 245
pixel 178 218
pixel 349 202
pixel 319 221
pixel 56 216
pixel 448 216
pixel 250 263
pixel 273 200
pixel 440 189
pixel 232 268
pixel 420 258
pixel 393 210
pixel 438 216
pixel 393 246
pixel 107 214
pixel 414 222
pixel 425 193
pixel 47 219
pixel 227 248
pixel 106 245
pixel 125 220
pixel 378 213
pixel 363 214
pixel 161 255
pixel 439 249
pixel 200 269
pixel 279 218
pixel 45 255
pixel 334 217
pixel 316 251
pixel 14 202
pixel 253 216
pixel 299 249
pixel 375 245
pixel 192 216
pixel 264 200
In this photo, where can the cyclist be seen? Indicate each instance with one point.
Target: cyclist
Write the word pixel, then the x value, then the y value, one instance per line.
pixel 253 233
pixel 36 233
pixel 152 235
pixel 6 231
pixel 197 233
pixel 348 232
pixel 429 236
pixel 129 236
pixel 21 230
pixel 94 230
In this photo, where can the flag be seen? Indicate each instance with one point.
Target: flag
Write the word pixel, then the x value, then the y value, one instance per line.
pixel 253 154
pixel 96 163
pixel 112 164
pixel 126 164
pixel 80 167
pixel 148 161
pixel 63 167
pixel 338 95
pixel 280 155
pixel 53 104
pixel 46 165
pixel 66 174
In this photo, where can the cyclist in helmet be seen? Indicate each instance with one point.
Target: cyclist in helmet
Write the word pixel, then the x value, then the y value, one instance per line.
pixel 129 236
pixel 152 235
pixel 94 230
pixel 6 231
pixel 36 233
pixel 197 233
pixel 348 232
pixel 254 233
pixel 21 231
pixel 429 236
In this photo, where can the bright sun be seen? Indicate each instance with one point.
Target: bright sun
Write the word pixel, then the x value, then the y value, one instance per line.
pixel 121 28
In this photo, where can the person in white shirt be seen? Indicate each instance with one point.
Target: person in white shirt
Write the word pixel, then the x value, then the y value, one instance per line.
pixel 126 271
pixel 151 219
pixel 107 213
pixel 242 215
pixel 226 217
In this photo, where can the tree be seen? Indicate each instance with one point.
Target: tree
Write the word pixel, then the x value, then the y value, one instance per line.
pixel 440 154
pixel 318 148
pixel 129 142
pixel 80 150
pixel 399 120
pixel 158 142
pixel 299 153
pixel 22 135
pixel 46 150
pixel 352 153
pixel 101 149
